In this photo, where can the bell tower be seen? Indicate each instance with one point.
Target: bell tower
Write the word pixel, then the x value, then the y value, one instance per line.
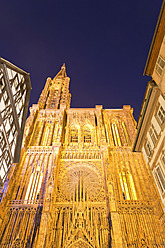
pixel 55 94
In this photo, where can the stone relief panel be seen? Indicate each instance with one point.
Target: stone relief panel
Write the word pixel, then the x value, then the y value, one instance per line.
pixel 81 182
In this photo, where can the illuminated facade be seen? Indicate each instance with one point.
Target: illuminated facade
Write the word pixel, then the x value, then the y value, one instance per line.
pixel 78 183
pixel 15 90
pixel 151 124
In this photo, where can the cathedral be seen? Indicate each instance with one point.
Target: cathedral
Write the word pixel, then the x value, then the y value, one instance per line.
pixel 78 183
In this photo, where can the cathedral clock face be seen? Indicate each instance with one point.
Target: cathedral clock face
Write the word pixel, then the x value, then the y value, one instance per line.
pixel 81 183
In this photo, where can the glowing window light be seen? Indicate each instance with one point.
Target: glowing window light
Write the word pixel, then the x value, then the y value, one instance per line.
pixel 132 186
pixel 29 186
pixel 32 196
pixel 124 187
pixel 40 182
pixel 34 185
pixel 128 187
pixel 46 135
pixel 36 133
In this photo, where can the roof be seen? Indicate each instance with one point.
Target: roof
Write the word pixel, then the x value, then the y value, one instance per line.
pixel 156 42
pixel 18 70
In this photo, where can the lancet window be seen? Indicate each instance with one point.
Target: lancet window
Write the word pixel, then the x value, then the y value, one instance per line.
pixel 34 184
pixel 87 135
pixel 36 134
pixel 74 135
pixel 116 136
pixel 47 133
pixel 127 185
pixel 126 134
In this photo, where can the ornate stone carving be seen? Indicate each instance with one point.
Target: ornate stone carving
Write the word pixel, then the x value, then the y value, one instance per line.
pixel 78 183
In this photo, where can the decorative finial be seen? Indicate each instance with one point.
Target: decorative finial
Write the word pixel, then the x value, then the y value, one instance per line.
pixel 63 67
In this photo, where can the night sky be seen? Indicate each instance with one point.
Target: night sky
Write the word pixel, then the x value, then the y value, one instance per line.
pixel 104 44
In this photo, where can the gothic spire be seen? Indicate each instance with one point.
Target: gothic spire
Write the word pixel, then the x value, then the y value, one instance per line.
pixel 56 92
pixel 62 73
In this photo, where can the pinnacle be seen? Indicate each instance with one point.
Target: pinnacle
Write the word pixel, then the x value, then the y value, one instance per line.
pixel 61 73
pixel 63 67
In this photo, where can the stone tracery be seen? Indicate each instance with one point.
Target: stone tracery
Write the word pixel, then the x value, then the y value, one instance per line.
pixel 68 189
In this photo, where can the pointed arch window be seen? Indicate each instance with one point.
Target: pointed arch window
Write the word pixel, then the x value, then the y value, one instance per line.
pixel 74 135
pixel 127 185
pixel 35 138
pixel 34 185
pixel 87 135
pixel 116 136
pixel 126 133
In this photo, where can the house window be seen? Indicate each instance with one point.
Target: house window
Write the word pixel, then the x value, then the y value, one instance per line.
pixel 74 135
pixel 11 119
pixel 24 86
pixel 160 179
pixel 5 96
pixel 148 148
pixel 13 129
pixel 16 81
pixel 2 84
pixel 163 159
pixel 2 140
pixel 153 134
pixel 160 65
pixel 161 115
pixel 6 157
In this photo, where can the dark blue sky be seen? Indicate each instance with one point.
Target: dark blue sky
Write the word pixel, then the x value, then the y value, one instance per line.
pixel 104 44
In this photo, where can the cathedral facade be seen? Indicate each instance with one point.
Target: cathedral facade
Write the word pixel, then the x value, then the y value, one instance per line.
pixel 78 183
